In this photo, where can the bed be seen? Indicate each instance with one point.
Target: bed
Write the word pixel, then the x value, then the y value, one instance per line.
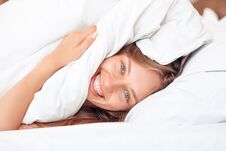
pixel 117 136
pixel 189 115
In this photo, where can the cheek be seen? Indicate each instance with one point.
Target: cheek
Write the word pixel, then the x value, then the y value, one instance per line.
pixel 116 104
pixel 107 64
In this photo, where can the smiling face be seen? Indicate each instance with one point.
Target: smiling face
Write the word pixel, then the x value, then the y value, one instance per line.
pixel 120 83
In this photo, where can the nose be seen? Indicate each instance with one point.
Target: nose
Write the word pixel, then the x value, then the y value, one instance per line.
pixel 113 82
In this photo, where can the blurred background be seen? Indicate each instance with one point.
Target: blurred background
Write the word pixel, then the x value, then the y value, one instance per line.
pixel 219 6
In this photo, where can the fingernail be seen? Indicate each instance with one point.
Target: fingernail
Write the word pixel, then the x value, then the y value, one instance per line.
pixel 94 35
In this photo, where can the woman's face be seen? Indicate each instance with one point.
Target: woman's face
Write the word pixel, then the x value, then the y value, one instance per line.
pixel 119 83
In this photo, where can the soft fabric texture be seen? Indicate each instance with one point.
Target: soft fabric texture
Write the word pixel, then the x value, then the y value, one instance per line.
pixel 198 95
pixel 28 34
pixel 117 137
pixel 141 134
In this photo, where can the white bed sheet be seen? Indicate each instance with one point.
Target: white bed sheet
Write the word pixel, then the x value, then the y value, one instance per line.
pixel 116 137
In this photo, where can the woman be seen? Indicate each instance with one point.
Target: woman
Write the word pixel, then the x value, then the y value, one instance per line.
pixel 119 83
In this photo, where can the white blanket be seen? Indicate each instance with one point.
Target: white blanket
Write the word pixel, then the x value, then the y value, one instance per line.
pixel 163 35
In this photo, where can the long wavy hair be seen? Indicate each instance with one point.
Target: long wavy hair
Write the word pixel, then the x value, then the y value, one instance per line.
pixel 91 114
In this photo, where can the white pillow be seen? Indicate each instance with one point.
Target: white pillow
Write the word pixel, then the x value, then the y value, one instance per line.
pixel 180 33
pixel 28 25
pixel 49 20
pixel 197 96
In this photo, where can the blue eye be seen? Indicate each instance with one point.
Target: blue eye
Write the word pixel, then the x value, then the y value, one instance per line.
pixel 123 68
pixel 126 95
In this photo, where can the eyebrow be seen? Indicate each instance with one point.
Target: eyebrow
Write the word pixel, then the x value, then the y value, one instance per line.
pixel 129 69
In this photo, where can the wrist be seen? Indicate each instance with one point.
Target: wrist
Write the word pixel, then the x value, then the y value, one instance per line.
pixel 51 61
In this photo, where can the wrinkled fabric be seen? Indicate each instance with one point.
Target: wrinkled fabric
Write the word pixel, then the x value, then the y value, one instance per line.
pixel 177 26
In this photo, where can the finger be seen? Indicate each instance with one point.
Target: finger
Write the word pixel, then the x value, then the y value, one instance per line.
pixel 88 30
pixel 84 33
pixel 87 42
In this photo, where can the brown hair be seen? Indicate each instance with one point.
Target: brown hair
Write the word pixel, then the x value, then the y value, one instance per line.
pixel 167 72
pixel 90 114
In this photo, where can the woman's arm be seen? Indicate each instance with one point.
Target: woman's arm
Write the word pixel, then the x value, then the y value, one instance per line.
pixel 15 102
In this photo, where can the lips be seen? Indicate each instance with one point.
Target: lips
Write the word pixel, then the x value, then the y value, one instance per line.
pixel 96 85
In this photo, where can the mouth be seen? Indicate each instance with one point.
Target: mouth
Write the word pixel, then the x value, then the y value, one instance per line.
pixel 96 85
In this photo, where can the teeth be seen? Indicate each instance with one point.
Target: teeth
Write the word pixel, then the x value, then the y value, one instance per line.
pixel 97 85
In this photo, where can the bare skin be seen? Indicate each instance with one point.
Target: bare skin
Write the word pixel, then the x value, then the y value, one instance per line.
pixel 120 82
pixel 15 102
pixel 2 1
pixel 123 82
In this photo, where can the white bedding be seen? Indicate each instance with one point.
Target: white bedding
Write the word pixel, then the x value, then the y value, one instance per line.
pixel 196 97
pixel 40 32
pixel 139 132
pixel 117 136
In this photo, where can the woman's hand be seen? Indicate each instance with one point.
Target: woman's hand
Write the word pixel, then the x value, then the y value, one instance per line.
pixel 73 46
pixel 15 102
